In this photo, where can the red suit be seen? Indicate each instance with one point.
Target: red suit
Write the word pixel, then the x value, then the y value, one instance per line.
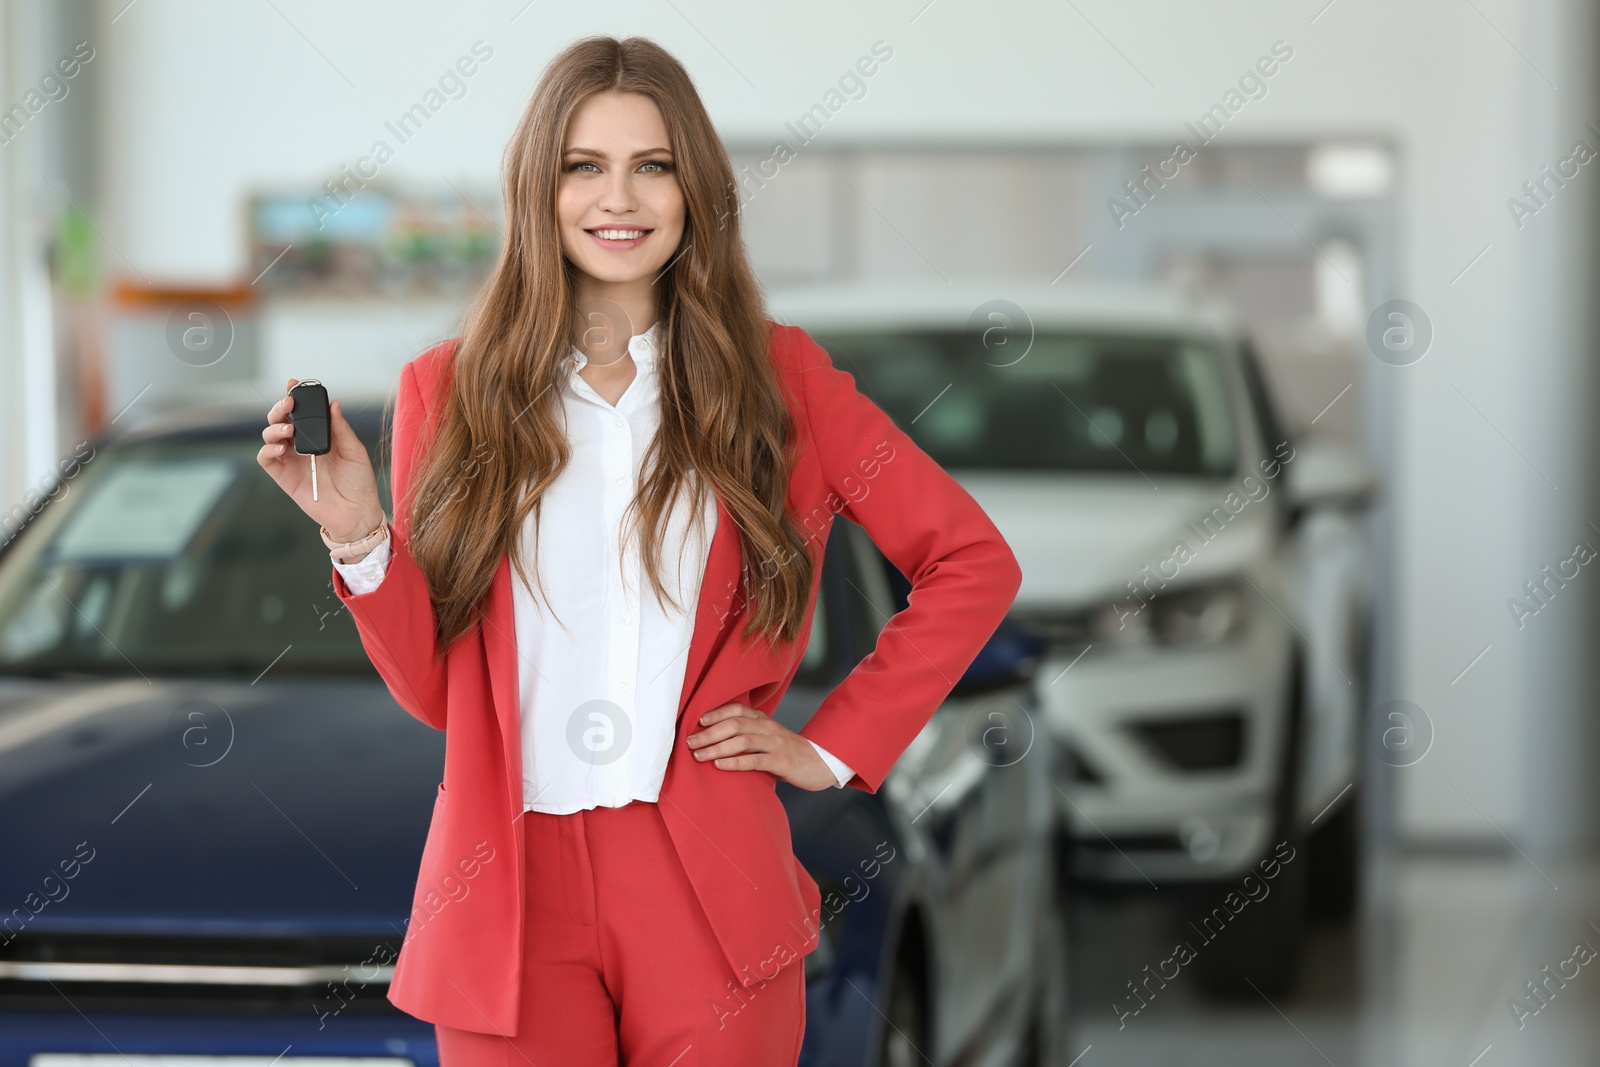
pixel 462 960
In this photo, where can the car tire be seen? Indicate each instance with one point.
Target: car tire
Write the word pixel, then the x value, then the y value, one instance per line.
pixel 1045 1042
pixel 1336 845
pixel 1259 949
pixel 1335 863
pixel 902 1038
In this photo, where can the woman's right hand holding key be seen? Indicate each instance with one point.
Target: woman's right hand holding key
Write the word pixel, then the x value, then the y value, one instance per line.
pixel 348 506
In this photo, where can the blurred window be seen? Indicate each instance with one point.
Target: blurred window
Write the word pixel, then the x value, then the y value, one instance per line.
pixel 1273 431
pixel 815 662
pixel 1074 402
pixel 174 557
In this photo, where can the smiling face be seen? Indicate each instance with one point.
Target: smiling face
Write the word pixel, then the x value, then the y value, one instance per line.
pixel 620 207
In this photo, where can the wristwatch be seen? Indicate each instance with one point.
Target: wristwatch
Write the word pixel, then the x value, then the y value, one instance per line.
pixel 351 551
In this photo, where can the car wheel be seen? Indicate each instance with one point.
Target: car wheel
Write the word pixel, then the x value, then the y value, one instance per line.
pixel 1336 844
pixel 1250 931
pixel 1336 863
pixel 1045 1043
pixel 902 1040
pixel 1258 949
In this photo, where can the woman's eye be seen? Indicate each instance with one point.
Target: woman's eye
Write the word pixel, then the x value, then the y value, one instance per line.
pixel 665 166
pixel 575 166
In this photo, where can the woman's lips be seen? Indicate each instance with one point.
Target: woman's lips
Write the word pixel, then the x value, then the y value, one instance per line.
pixel 619 245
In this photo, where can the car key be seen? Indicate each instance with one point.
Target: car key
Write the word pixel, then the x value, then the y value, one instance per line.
pixel 311 423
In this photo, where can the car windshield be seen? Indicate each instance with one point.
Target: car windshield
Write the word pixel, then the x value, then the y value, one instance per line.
pixel 174 557
pixel 1131 404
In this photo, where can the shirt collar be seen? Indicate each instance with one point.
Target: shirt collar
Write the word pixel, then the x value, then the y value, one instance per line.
pixel 643 347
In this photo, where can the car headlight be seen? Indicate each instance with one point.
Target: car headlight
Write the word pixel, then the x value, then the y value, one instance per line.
pixel 1197 616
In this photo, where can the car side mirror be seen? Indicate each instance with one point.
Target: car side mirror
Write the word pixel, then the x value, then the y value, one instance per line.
pixel 1011 655
pixel 1327 473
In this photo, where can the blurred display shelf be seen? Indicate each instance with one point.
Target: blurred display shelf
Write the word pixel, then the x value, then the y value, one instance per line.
pixel 169 346
pixel 355 347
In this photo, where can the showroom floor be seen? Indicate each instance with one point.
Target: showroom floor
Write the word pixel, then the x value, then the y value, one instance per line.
pixel 1426 978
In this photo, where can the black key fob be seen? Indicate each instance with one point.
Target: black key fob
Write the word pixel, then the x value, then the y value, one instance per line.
pixel 312 428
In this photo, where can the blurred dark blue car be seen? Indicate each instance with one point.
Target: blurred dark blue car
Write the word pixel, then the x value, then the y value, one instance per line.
pixel 214 811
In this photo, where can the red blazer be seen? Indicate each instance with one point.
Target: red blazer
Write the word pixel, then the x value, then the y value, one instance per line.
pixel 460 963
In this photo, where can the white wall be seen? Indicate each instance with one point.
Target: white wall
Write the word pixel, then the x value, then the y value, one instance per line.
pixel 209 101
pixel 27 365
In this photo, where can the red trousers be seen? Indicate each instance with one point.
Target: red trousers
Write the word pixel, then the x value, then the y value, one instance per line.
pixel 621 965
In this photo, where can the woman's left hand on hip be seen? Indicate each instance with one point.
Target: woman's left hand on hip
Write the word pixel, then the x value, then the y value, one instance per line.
pixel 737 737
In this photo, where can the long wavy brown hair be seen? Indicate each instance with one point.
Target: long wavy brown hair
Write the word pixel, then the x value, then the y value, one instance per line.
pixel 501 441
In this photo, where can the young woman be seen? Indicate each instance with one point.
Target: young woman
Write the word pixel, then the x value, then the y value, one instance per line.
pixel 609 872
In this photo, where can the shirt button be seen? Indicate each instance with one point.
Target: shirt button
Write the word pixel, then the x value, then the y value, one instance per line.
pixel 626 619
pixel 620 481
pixel 619 422
pixel 626 686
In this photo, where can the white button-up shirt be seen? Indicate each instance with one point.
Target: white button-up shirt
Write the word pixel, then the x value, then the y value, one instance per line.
pixel 599 679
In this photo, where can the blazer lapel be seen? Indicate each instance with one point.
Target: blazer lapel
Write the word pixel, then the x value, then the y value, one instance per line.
pixel 499 632
pixel 717 591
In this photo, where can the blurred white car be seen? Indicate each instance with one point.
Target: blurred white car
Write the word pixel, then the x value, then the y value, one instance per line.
pixel 1200 574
